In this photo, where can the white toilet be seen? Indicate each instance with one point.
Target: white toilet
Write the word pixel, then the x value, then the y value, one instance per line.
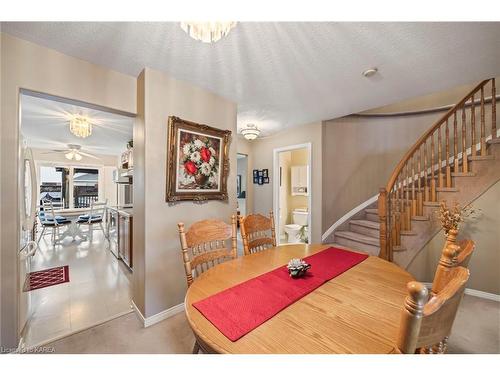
pixel 299 219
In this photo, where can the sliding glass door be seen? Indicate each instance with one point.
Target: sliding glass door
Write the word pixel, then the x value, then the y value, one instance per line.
pixel 69 186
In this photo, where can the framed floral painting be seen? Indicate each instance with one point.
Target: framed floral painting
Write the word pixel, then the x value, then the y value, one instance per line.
pixel 197 162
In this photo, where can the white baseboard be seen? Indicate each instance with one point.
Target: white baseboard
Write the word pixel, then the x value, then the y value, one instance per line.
pixel 162 315
pixel 475 293
pixel 480 294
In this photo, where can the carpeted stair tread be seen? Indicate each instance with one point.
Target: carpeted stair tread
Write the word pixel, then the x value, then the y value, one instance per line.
pixel 366 223
pixel 463 174
pixel 358 237
pixel 481 157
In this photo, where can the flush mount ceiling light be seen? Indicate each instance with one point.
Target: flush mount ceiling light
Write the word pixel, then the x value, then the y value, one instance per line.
pixel 370 72
pixel 80 126
pixel 207 32
pixel 250 132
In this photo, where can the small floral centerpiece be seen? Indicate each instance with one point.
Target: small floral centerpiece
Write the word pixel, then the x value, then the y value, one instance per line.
pixel 297 267
pixel 199 160
pixel 451 218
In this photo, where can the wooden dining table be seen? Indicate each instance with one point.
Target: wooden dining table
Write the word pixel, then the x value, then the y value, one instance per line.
pixel 358 311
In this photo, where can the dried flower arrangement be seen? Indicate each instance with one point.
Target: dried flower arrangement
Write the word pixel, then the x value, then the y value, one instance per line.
pixel 451 218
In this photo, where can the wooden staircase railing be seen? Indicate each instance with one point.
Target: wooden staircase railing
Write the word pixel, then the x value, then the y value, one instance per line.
pixel 428 165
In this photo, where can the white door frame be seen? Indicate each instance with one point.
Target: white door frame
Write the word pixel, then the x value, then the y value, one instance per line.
pixel 276 187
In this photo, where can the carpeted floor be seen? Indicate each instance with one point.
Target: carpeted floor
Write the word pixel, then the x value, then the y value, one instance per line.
pixel 476 330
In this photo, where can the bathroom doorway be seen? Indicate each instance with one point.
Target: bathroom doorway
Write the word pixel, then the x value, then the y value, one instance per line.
pixel 241 193
pixel 292 196
pixel 241 183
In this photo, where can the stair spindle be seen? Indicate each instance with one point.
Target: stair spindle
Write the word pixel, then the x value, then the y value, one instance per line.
pixel 392 227
pixel 407 198
pixel 473 147
pixel 456 167
pixel 419 179
pixel 439 158
pixel 448 167
pixel 465 162
pixel 433 181
pixel 402 220
pixel 483 125
pixel 413 193
pixel 493 109
pixel 426 188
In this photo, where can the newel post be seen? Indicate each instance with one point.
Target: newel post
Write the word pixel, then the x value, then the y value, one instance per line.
pixel 411 317
pixel 382 213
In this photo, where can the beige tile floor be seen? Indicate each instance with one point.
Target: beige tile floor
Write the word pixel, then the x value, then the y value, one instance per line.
pixel 99 289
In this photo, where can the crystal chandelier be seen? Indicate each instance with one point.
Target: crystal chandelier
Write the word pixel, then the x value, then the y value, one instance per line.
pixel 250 132
pixel 207 32
pixel 80 126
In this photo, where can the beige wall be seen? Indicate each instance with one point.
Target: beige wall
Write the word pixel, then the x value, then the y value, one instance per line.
pixel 359 155
pixel 27 65
pixel 485 231
pixel 162 277
pixel 434 100
pixel 262 153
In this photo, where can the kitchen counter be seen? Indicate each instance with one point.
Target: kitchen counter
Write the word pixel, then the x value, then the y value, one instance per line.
pixel 122 210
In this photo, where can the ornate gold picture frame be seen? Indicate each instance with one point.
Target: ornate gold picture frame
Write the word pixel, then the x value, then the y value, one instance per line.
pixel 197 161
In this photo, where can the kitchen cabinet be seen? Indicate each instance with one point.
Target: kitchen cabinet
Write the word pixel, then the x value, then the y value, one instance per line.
pixel 125 239
pixel 120 233
pixel 300 179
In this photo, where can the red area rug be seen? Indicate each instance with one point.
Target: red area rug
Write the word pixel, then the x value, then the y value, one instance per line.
pixel 243 307
pixel 45 278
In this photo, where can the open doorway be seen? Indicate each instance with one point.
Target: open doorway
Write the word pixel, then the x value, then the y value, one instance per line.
pixel 75 250
pixel 241 192
pixel 292 196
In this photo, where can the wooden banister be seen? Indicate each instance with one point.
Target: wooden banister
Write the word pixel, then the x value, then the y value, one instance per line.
pixel 436 172
pixel 426 135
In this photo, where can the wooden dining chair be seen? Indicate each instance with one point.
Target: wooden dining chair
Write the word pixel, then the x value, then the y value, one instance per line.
pixel 466 248
pixel 204 246
pixel 257 232
pixel 426 323
pixel 452 256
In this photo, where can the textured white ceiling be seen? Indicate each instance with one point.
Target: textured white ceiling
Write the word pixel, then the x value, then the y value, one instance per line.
pixel 286 74
pixel 45 124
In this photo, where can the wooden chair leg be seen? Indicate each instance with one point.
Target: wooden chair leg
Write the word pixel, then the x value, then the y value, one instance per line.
pixel 196 348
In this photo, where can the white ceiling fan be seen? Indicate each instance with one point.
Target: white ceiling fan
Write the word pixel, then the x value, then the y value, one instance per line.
pixel 73 152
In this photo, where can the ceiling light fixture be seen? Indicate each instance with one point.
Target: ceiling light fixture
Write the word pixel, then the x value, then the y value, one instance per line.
pixel 80 126
pixel 73 153
pixel 370 72
pixel 250 132
pixel 207 32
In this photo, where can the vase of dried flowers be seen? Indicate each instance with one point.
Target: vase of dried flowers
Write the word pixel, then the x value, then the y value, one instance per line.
pixel 451 218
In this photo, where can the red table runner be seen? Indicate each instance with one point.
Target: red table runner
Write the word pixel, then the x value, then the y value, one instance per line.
pixel 243 307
